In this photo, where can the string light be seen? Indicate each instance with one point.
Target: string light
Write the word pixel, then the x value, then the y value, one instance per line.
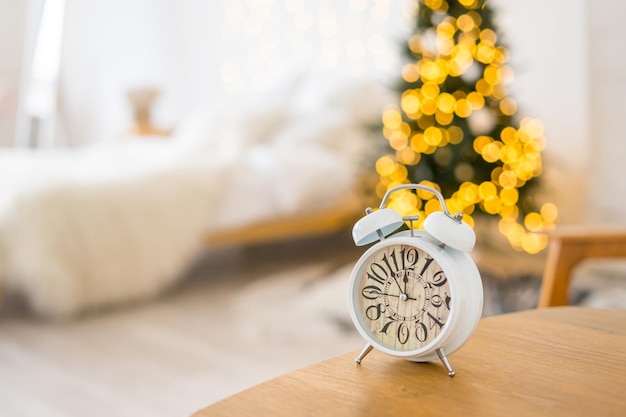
pixel 432 116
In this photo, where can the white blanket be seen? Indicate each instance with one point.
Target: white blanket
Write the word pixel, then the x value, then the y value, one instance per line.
pixel 87 228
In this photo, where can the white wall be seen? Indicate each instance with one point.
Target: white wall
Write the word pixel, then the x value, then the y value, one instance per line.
pixel 607 98
pixel 548 44
pixel 109 48
pixel 570 61
pixel 199 51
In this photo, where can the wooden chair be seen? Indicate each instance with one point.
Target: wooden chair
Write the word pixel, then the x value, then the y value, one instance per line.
pixel 568 247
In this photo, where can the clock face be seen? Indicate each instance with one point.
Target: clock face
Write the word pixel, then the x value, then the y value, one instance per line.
pixel 403 297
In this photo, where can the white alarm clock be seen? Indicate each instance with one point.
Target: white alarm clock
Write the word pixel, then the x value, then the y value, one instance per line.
pixel 415 294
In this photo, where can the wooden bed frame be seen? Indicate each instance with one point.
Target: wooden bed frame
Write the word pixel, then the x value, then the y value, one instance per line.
pixel 331 220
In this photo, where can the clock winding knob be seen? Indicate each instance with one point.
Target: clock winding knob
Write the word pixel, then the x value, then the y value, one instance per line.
pixel 376 226
pixel 450 231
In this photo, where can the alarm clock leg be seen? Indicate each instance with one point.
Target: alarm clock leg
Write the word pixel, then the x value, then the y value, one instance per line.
pixel 367 349
pixel 446 363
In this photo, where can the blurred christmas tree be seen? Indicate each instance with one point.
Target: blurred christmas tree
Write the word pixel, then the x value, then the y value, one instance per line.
pixel 456 128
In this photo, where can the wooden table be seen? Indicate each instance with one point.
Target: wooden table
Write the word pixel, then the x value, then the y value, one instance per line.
pixel 561 361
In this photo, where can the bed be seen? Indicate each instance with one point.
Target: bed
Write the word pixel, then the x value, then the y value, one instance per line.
pixel 86 228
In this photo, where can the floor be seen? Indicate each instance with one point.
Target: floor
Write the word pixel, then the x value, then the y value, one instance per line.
pixel 241 317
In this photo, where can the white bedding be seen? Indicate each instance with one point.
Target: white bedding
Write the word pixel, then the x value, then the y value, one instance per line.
pixel 87 228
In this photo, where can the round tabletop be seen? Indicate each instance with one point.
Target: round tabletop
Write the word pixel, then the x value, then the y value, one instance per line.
pixel 562 361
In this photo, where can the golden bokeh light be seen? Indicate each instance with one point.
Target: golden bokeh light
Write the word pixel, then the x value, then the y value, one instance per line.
pixel 476 100
pixel 385 166
pixel 507 180
pixel 509 196
pixel 410 73
pixel 408 156
pixel 480 142
pixel 509 211
pixel 508 106
pixel 488 36
pixel 508 135
pixel 485 53
pixel 446 29
pixel 533 222
pixel 430 90
pixel 433 136
pixel 415 44
pixel 492 205
pixel 392 118
pixel 443 118
pixel 446 102
pixel 487 190
pixel 483 87
pixel 462 108
pixel 465 23
pixel 549 212
pixel 492 75
pixel 467 3
pixel 398 140
pixel 410 102
pixel 534 242
pixel 491 152
pixel 432 205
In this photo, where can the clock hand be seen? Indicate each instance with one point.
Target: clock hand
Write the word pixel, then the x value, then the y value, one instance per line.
pixel 395 278
pixel 402 296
